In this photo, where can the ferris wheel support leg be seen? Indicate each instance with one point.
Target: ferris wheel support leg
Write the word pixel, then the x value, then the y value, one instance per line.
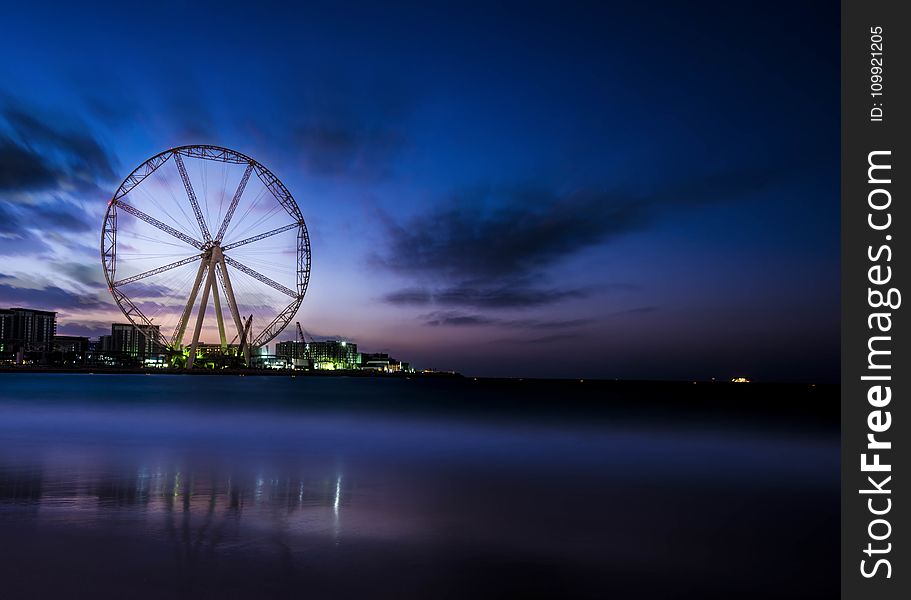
pixel 185 317
pixel 203 304
pixel 218 316
pixel 247 340
pixel 232 303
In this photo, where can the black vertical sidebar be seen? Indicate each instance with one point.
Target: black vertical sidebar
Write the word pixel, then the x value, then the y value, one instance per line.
pixel 876 235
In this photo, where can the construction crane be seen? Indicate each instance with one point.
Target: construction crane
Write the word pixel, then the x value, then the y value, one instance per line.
pixel 303 353
pixel 302 335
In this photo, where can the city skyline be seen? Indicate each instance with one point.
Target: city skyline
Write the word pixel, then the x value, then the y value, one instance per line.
pixel 475 202
pixel 29 338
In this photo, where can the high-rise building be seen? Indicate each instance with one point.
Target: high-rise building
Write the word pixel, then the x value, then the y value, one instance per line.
pixel 27 329
pixel 105 344
pixel 294 352
pixel 6 327
pixel 332 354
pixel 137 341
pixel 291 349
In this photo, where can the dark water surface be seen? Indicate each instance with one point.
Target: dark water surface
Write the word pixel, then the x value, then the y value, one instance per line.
pixel 132 486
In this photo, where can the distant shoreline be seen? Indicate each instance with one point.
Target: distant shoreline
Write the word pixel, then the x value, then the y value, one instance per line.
pixel 448 375
pixel 244 372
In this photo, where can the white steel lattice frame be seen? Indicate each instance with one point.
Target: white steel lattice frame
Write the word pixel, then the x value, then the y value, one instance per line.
pixel 213 257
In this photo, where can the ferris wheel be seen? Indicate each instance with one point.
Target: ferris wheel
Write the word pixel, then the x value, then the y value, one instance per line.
pixel 200 223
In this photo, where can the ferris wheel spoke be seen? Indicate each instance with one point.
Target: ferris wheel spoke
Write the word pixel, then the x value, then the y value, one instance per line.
pixel 233 206
pixel 158 224
pixel 261 236
pixel 133 313
pixel 192 196
pixel 260 277
pixel 278 323
pixel 157 270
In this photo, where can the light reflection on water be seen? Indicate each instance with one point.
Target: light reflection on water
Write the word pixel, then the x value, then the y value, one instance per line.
pixel 257 502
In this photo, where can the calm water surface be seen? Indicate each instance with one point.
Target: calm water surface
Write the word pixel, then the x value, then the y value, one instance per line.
pixel 131 486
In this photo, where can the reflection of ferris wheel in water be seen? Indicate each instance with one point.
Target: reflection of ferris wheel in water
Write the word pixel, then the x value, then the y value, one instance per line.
pixel 175 236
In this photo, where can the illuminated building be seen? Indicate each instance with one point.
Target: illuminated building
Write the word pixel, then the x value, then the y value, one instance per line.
pixel 27 329
pixel 335 354
pixel 332 354
pixel 294 352
pixel 127 339
pixel 291 349
pixel 380 361
pixel 326 355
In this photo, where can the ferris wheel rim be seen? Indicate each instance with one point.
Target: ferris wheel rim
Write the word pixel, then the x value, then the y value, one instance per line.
pixel 219 154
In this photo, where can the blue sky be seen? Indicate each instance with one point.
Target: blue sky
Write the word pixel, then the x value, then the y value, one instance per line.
pixel 586 190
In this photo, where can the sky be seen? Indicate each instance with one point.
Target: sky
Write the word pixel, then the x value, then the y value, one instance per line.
pixel 503 189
